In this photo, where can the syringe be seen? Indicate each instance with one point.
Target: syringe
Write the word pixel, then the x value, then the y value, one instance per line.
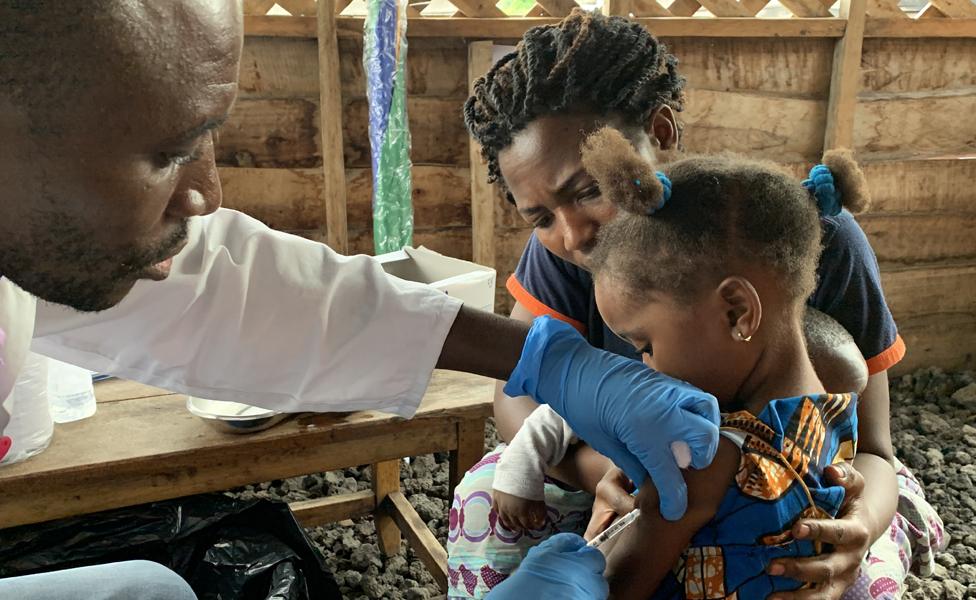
pixel 611 532
pixel 682 456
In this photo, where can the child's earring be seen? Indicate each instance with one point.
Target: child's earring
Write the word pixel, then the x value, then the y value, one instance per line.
pixel 743 338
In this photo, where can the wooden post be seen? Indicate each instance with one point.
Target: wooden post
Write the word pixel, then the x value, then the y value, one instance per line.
pixel 806 8
pixel 683 8
pixel 482 192
pixel 386 479
pixel 478 8
pixel 845 79
pixel 330 120
pixel 649 8
pixel 558 8
pixel 470 449
pixel 725 8
pixel 956 9
pixel 884 9
pixel 298 8
pixel 257 7
pixel 312 513
pixel 619 8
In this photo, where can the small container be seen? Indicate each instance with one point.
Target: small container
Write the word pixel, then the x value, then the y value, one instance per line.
pixel 233 417
pixel 30 428
pixel 70 392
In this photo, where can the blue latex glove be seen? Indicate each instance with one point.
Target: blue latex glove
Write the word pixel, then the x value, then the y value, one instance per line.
pixel 625 410
pixel 560 568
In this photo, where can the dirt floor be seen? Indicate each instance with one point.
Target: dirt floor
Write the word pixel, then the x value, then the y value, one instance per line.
pixel 933 420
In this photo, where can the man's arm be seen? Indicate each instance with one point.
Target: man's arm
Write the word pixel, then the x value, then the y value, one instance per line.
pixel 483 343
pixel 511 412
pixel 253 315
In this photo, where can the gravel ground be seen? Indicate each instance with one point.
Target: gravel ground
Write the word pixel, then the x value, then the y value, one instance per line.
pixel 933 423
pixel 933 418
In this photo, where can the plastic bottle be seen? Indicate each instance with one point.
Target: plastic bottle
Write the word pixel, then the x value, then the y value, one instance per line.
pixel 70 392
pixel 30 427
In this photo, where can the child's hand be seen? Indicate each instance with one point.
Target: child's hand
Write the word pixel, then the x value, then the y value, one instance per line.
pixel 518 513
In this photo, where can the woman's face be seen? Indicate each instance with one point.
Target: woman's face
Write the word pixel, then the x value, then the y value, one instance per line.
pixel 544 172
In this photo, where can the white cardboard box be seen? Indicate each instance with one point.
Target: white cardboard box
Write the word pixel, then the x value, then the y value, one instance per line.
pixel 469 282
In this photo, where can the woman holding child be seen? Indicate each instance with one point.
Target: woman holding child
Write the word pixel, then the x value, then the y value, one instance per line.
pixel 714 259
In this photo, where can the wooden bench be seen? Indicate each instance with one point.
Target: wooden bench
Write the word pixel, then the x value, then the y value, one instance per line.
pixel 143 446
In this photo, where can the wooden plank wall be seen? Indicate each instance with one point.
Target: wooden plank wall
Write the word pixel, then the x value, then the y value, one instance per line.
pixel 270 150
pixel 764 97
pixel 912 124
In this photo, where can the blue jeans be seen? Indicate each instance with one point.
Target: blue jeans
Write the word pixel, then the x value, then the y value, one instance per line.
pixel 133 580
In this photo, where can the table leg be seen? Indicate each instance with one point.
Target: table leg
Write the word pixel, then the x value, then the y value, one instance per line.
pixel 386 479
pixel 420 538
pixel 470 448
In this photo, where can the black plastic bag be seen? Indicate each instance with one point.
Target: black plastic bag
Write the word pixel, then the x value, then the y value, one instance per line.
pixel 225 548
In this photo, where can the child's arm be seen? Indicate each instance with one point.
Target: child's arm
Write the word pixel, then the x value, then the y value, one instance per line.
pixel 645 552
pixel 519 484
pixel 540 443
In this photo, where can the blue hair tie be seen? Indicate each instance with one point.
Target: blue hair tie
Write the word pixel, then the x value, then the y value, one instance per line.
pixel 665 192
pixel 821 185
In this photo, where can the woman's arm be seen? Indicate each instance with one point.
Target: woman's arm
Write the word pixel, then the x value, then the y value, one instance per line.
pixel 870 503
pixel 645 553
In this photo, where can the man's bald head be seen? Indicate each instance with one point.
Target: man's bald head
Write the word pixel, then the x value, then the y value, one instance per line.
pixel 55 55
pixel 105 143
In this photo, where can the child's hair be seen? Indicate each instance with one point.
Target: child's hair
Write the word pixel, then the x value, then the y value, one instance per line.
pixel 723 211
pixel 609 65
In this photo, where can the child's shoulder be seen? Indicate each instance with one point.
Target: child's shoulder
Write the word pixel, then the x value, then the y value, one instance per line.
pixel 706 487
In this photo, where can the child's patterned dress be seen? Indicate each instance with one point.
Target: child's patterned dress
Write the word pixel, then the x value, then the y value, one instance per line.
pixel 780 480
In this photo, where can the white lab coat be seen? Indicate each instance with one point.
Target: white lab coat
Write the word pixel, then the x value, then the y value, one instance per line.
pixel 251 315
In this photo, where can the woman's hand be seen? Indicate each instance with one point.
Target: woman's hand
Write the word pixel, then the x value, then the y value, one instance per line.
pixel 613 499
pixel 834 572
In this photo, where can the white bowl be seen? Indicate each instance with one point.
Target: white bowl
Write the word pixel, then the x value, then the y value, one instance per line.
pixel 233 417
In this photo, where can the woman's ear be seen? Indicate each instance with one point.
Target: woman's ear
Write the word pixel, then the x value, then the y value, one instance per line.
pixel 743 308
pixel 662 126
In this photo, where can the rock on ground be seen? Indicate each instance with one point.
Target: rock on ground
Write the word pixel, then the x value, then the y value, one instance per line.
pixel 933 422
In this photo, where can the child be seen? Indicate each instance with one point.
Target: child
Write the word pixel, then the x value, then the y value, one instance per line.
pixel 705 271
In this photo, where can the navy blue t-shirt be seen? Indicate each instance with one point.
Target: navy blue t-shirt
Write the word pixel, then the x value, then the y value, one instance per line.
pixel 848 289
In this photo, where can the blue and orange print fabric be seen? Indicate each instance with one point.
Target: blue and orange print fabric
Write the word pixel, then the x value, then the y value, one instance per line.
pixel 784 451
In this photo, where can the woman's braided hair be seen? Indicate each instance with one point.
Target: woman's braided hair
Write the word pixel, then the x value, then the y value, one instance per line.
pixel 587 62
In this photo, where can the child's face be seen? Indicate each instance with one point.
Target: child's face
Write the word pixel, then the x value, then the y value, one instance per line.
pixel 691 341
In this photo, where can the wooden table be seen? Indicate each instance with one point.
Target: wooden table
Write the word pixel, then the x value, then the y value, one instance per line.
pixel 142 445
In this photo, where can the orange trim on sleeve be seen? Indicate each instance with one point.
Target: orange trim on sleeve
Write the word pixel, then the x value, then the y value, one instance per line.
pixel 888 358
pixel 536 307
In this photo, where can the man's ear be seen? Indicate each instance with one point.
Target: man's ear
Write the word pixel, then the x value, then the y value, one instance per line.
pixel 743 308
pixel 662 126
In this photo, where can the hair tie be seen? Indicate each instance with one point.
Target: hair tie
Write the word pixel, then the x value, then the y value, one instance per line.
pixel 665 192
pixel 821 185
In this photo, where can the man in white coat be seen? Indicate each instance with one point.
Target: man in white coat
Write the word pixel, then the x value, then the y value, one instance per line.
pixel 115 255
